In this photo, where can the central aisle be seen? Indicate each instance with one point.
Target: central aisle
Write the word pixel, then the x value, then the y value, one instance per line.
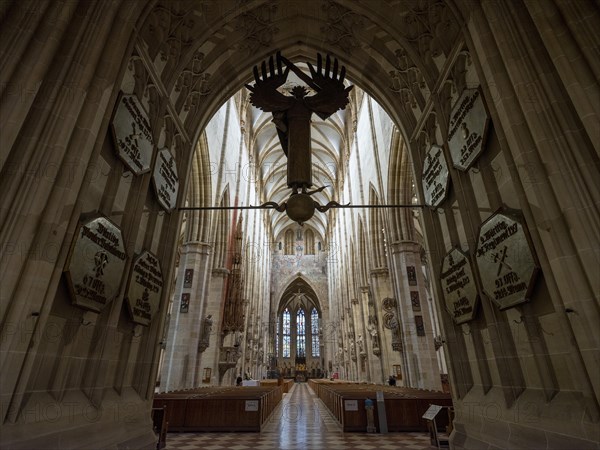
pixel 299 422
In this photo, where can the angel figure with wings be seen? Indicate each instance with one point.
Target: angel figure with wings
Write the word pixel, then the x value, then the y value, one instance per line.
pixel 292 117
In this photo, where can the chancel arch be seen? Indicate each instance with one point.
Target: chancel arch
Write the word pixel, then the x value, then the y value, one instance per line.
pixel 537 74
pixel 298 336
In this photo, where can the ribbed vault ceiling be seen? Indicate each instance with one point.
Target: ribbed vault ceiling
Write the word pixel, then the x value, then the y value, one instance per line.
pixel 327 147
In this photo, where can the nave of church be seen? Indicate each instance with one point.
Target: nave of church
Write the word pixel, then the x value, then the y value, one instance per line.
pixel 395 196
pixel 299 422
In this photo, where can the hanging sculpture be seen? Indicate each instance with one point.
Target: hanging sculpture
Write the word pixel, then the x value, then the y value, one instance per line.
pixel 292 117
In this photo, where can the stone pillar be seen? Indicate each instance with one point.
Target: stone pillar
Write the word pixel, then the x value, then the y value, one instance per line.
pixel 420 367
pixel 386 311
pixel 180 366
pixel 214 304
pixel 372 338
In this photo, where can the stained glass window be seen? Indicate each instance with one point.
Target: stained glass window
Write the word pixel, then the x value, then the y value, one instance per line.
pixel 314 325
pixel 301 336
pixel 286 333
pixel 277 339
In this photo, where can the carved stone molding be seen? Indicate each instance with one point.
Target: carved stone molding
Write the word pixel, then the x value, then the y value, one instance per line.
pixel 192 82
pixel 257 28
pixel 431 27
pixel 220 272
pixel 407 80
pixel 341 26
pixel 379 272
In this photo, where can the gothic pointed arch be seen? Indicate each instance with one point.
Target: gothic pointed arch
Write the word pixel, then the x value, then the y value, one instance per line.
pixel 199 194
pixel 377 232
pixel 401 190
pixel 221 232
pixel 362 259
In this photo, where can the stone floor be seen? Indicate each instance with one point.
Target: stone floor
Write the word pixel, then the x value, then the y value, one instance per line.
pixel 300 421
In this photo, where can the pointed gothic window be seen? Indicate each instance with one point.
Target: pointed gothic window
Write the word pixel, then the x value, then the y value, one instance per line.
pixel 309 242
pixel 277 339
pixel 314 325
pixel 286 334
pixel 289 242
pixel 301 334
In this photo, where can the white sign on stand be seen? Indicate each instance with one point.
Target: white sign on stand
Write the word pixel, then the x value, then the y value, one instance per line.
pixel 251 405
pixel 351 405
pixel 432 412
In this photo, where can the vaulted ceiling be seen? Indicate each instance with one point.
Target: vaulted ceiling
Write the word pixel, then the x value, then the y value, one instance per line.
pixel 408 55
pixel 328 140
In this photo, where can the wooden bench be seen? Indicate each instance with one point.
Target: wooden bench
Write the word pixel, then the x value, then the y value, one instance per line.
pixel 219 408
pixel 404 406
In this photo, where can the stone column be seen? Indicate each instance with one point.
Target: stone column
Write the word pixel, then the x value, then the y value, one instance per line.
pixel 372 338
pixel 180 365
pixel 388 320
pixel 420 367
pixel 214 304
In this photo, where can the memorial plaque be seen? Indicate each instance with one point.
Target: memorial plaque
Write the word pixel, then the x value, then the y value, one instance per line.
pixel 165 180
pixel 411 273
pixel 506 262
pixel 145 288
pixel 435 176
pixel 458 286
pixel 420 326
pixel 131 134
pixel 188 278
pixel 467 133
pixel 96 264
pixel 184 307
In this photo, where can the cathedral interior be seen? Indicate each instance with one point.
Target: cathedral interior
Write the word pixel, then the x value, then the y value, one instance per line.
pixel 153 240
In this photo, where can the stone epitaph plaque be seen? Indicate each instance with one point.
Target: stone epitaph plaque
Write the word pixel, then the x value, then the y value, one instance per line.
pixel 96 264
pixel 435 176
pixel 506 263
pixel 131 134
pixel 165 180
pixel 458 286
pixel 468 129
pixel 145 288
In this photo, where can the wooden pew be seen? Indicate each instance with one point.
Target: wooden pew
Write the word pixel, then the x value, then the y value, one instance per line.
pixel 404 406
pixel 219 408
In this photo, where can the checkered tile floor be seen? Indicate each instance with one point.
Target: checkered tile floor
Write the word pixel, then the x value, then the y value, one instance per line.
pixel 301 422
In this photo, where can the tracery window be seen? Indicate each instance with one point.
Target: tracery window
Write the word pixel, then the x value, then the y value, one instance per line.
pixel 309 242
pixel 314 324
pixel 301 334
pixel 277 339
pixel 286 333
pixel 289 242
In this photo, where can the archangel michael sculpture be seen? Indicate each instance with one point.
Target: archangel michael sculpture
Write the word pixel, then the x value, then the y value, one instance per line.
pixel 292 118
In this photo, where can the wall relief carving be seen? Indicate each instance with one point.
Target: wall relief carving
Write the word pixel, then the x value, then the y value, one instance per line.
pixel 341 26
pixel 257 28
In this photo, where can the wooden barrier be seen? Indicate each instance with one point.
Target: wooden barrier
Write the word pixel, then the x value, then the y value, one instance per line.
pixel 285 384
pixel 404 406
pixel 219 409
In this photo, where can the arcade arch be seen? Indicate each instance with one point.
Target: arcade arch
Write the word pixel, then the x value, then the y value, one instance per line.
pixel 185 59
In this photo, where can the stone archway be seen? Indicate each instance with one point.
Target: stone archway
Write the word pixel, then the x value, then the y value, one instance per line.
pixel 62 73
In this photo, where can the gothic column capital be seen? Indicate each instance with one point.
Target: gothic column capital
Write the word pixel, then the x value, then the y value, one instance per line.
pixel 405 247
pixel 220 272
pixel 379 272
pixel 202 248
